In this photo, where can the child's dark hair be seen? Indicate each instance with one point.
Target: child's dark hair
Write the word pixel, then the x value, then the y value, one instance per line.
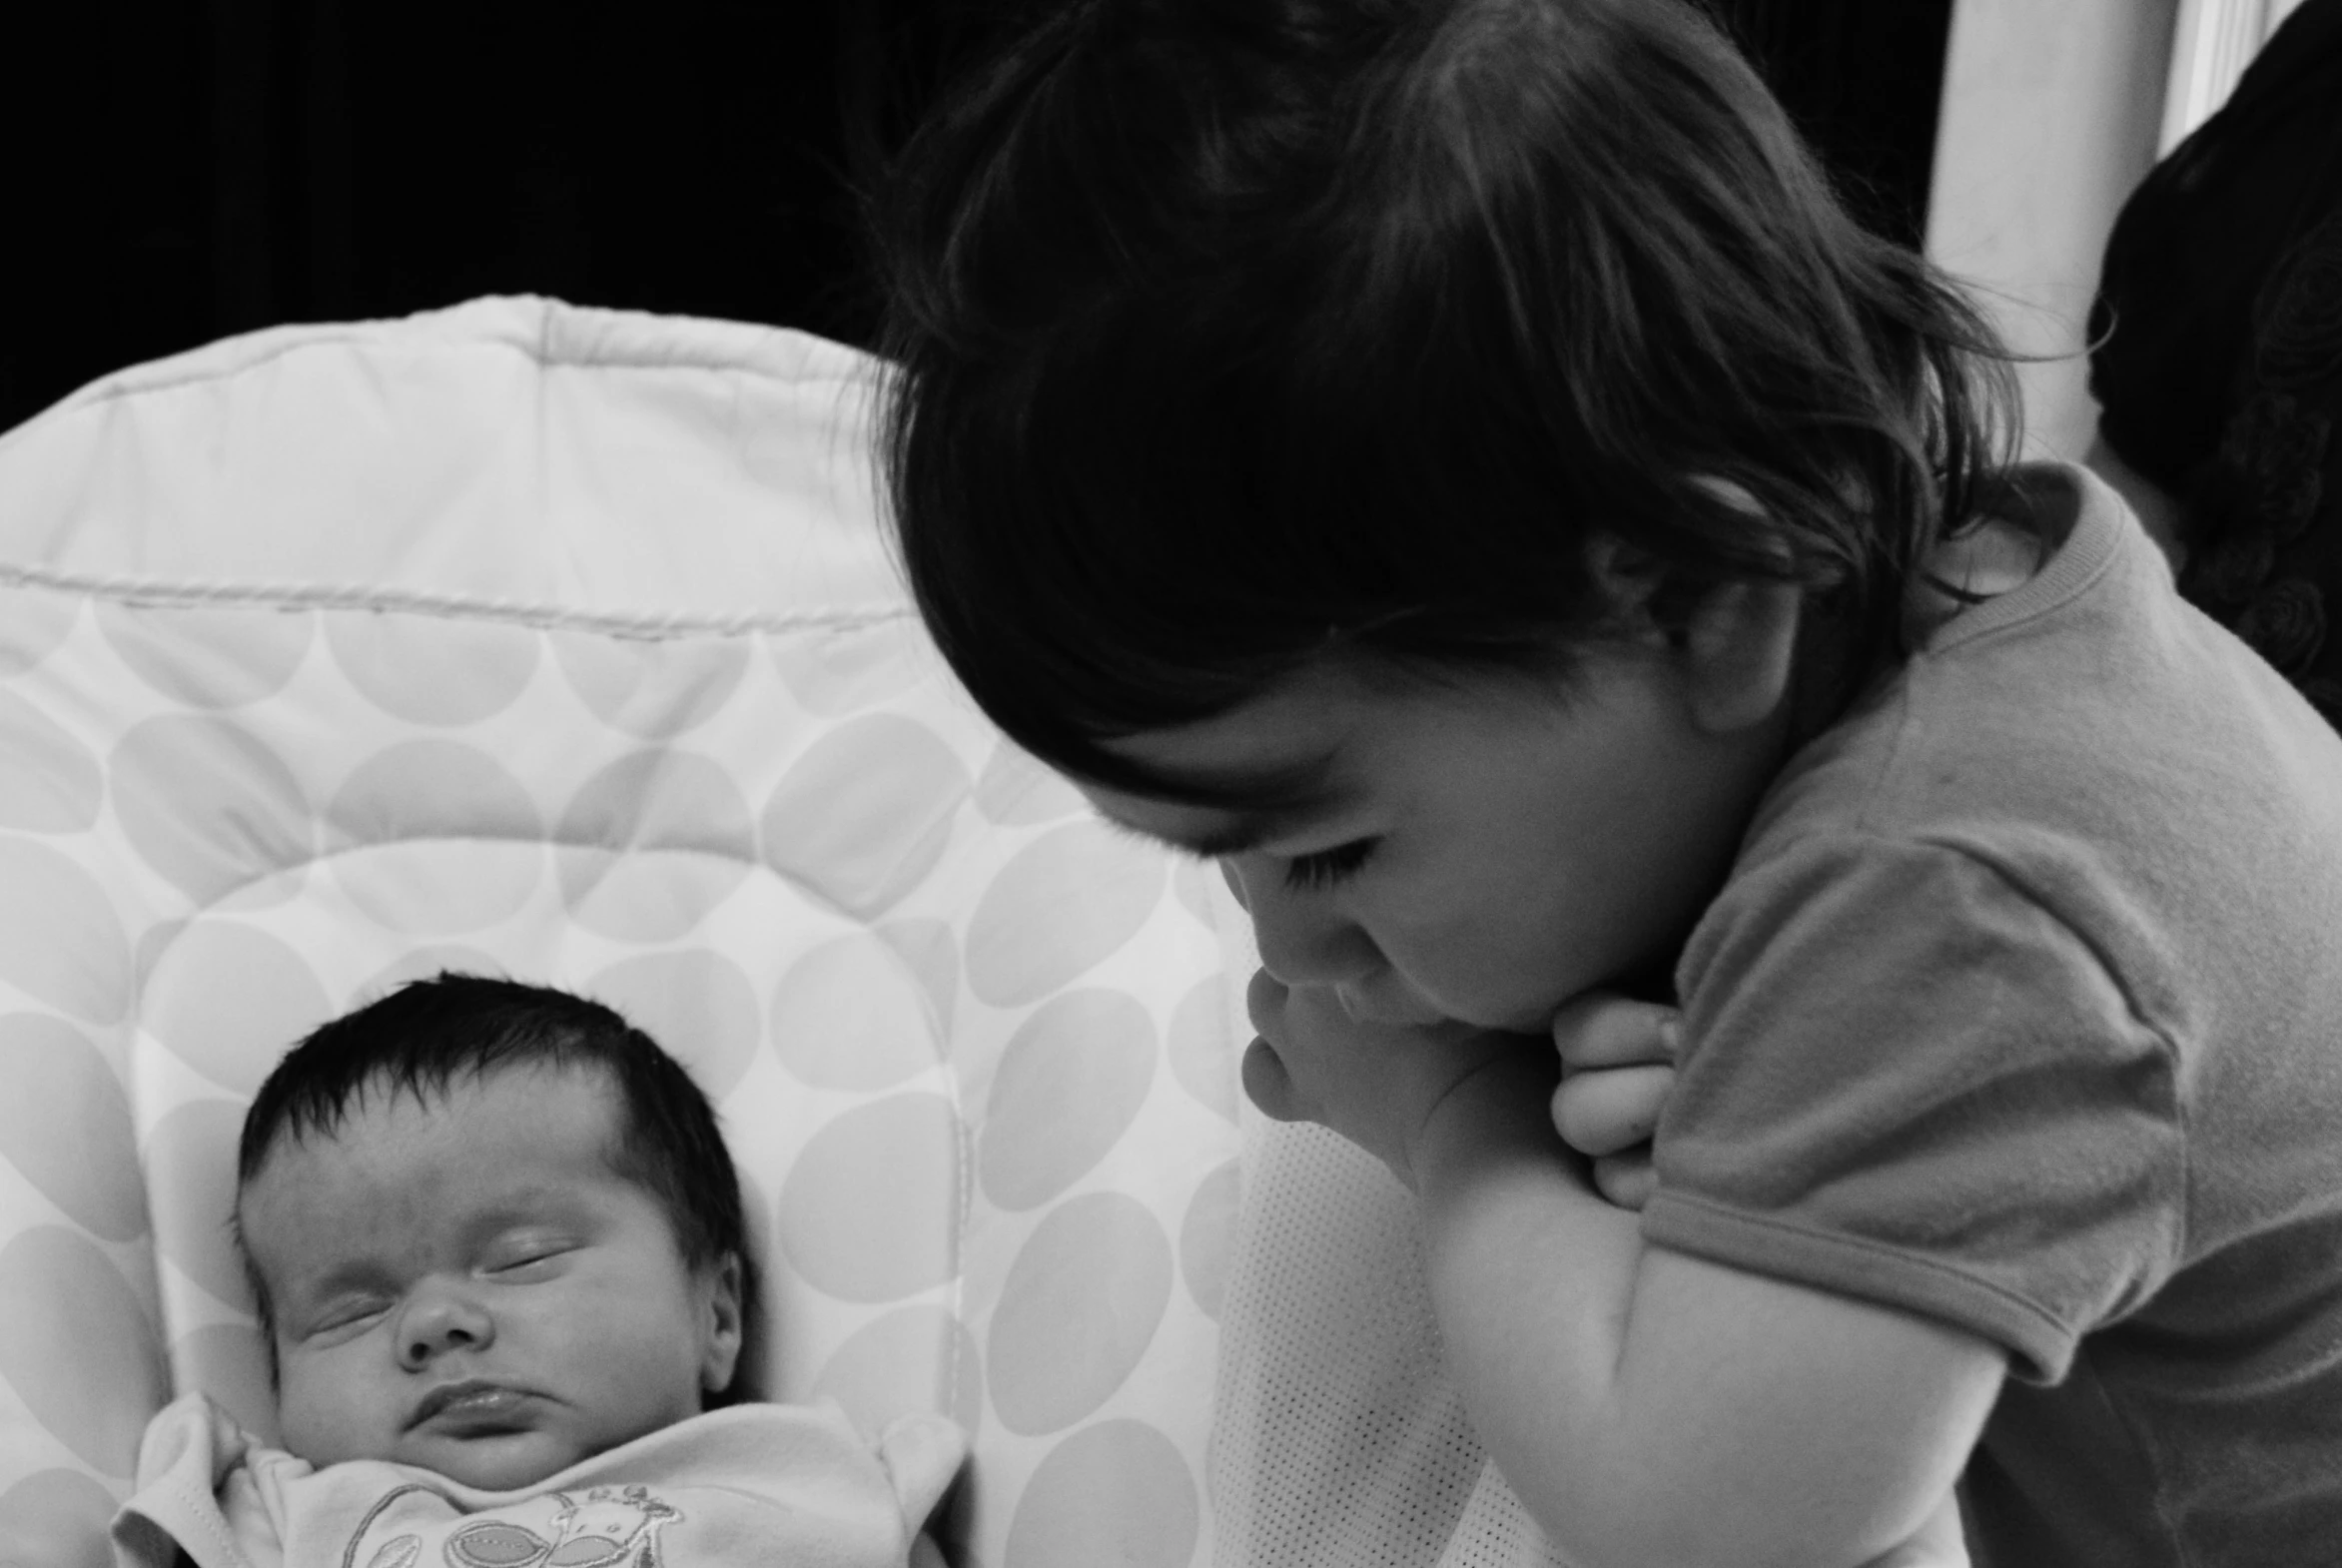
pixel 1231 333
pixel 428 1035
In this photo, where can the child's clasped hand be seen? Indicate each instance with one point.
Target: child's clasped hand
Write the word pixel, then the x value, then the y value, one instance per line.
pixel 1378 1085
pixel 1617 1065
pixel 1382 1084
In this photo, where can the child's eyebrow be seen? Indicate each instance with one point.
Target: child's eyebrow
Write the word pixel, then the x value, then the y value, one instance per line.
pixel 1236 838
pixel 1253 806
pixel 1246 831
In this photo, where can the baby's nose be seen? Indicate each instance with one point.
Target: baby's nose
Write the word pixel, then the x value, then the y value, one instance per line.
pixel 439 1319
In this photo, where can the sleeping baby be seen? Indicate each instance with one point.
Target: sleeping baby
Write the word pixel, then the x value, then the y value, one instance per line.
pixel 497 1246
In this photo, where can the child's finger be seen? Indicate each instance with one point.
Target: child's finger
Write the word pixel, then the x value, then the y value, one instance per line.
pixel 1269 1085
pixel 1626 1179
pixel 1603 1029
pixel 1602 1113
pixel 1265 1002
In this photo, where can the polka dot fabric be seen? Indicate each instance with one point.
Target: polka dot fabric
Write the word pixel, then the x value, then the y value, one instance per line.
pixel 556 643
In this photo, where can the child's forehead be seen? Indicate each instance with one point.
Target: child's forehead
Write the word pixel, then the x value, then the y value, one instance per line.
pixel 1298 743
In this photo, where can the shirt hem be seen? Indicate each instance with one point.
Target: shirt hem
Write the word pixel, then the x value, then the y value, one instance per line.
pixel 1865 1269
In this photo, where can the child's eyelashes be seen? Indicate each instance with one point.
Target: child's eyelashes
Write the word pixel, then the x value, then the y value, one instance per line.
pixel 1327 868
pixel 1317 870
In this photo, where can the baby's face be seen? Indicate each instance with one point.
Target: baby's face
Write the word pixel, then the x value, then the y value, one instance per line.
pixel 464 1285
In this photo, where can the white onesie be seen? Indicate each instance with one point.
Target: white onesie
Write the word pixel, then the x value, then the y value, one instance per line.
pixel 752 1484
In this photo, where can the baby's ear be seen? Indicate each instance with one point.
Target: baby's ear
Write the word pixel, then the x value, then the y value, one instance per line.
pixel 726 1326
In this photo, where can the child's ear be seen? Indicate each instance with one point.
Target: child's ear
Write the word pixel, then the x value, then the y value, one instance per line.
pixel 1736 649
pixel 1626 576
pixel 1739 654
pixel 725 1328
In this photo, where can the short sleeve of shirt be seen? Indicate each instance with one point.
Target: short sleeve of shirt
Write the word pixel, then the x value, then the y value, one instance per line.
pixel 1904 1080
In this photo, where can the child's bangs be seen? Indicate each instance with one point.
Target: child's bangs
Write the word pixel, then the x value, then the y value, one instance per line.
pixel 1100 552
pixel 1355 341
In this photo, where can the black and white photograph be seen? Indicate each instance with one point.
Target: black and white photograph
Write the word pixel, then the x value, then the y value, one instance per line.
pixel 1172 784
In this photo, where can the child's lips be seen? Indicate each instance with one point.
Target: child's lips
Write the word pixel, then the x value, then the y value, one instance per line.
pixel 1388 1005
pixel 472 1407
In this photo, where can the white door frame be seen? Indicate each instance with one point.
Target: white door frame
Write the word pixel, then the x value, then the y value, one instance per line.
pixel 2052 112
pixel 2210 47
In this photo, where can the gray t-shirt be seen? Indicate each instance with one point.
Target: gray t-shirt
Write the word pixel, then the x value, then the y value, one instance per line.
pixel 2022 1011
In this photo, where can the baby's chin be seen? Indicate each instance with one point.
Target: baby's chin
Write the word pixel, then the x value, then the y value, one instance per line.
pixel 502 1462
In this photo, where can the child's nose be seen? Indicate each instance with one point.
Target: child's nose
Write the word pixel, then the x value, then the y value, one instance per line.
pixel 441 1318
pixel 1302 940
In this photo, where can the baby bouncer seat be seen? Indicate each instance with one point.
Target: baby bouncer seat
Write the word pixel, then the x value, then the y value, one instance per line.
pixel 562 644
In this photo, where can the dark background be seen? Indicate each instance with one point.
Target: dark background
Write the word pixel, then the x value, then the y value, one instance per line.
pixel 180 170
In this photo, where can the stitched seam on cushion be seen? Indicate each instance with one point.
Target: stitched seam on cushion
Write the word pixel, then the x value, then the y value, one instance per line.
pixel 196 594
pixel 127 382
pixel 750 864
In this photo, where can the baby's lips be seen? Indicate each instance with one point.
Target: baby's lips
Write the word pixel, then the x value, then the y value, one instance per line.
pixel 472 1402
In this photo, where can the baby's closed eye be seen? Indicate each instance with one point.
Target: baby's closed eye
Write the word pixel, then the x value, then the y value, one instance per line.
pixel 527 1254
pixel 340 1318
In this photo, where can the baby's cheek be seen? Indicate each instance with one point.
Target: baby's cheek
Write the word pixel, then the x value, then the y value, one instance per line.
pixel 321 1418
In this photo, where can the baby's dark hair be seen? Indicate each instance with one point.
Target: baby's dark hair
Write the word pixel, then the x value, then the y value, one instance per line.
pixel 428 1036
pixel 1232 333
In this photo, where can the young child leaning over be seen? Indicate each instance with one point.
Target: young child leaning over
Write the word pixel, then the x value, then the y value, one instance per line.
pixel 497 1244
pixel 1455 462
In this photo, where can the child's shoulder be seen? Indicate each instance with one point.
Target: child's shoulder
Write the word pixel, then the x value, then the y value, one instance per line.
pixel 2085 746
pixel 2080 698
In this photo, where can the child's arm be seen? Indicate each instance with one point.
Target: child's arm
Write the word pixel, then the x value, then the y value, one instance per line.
pixel 1646 1405
pixel 1617 1060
